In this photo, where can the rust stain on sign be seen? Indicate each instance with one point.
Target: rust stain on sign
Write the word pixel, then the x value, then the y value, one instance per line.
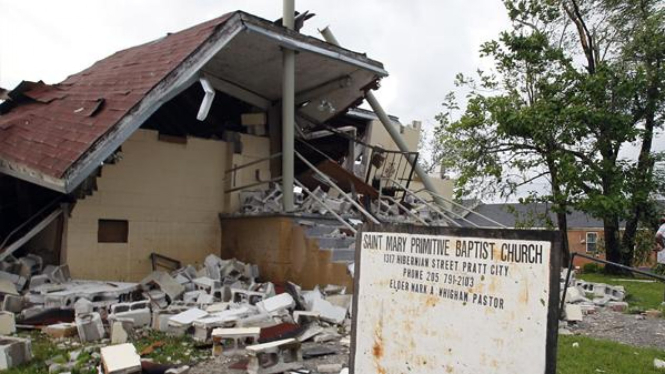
pixel 377 348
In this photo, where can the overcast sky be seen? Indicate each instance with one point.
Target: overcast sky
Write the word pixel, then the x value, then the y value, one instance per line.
pixel 422 43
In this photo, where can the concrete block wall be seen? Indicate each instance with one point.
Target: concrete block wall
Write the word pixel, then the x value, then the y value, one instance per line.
pixel 171 194
pixel 282 251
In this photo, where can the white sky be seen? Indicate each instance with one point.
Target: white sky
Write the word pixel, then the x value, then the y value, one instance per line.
pixel 422 43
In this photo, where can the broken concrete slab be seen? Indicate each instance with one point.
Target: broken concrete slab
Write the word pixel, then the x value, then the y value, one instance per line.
pixel 328 311
pixel 14 352
pixel 120 359
pixel 277 303
pixel 187 317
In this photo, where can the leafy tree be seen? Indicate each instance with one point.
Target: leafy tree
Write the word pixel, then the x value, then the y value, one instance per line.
pixel 560 103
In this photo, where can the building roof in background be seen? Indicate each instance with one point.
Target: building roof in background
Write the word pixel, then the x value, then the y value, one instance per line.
pixel 529 215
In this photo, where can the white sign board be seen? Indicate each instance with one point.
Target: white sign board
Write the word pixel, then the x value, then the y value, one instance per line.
pixel 446 303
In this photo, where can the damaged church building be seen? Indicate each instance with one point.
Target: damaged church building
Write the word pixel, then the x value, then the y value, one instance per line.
pixel 162 154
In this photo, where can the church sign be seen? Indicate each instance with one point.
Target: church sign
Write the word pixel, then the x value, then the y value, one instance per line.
pixel 455 300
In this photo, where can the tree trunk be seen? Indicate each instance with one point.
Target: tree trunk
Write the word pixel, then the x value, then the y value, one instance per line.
pixel 562 221
pixel 612 250
pixel 642 185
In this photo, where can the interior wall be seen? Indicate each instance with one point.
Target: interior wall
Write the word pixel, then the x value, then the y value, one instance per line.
pixel 171 195
pixel 254 148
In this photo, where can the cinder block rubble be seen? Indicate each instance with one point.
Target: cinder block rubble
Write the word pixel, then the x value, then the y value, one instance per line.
pixel 14 351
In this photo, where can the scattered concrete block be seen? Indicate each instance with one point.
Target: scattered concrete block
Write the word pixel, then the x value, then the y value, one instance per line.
pixel 573 313
pixel 302 317
pixel 329 312
pixel 233 340
pixel 342 301
pixel 121 330
pixel 7 323
pixel 90 327
pixel 192 296
pixel 240 296
pixel 13 303
pixel 311 331
pixel 618 306
pixel 39 280
pixel 14 351
pixel 160 319
pixel 7 287
pixel 61 330
pixel 138 312
pixel 276 303
pixel 217 307
pixel 658 364
pixel 274 357
pixel 120 359
pixel 165 283
pixel 187 317
pixel 329 368
pixel 575 295
pixel 83 306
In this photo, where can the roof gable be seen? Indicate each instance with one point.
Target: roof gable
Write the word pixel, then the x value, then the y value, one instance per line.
pixel 46 136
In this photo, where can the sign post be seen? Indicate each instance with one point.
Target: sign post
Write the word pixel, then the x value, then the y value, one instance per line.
pixel 455 300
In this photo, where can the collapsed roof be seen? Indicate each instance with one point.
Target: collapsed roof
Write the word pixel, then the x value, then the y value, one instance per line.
pixel 58 135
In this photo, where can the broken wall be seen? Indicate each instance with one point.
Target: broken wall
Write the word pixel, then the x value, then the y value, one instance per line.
pixel 282 251
pixel 170 194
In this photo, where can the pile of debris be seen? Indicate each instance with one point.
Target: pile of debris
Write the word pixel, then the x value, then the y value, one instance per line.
pixel 584 297
pixel 386 208
pixel 223 303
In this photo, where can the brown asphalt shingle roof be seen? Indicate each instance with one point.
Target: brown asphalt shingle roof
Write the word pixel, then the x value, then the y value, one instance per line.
pixel 58 124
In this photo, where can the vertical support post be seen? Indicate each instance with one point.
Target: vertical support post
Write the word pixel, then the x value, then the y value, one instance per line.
pixel 565 286
pixel 288 110
pixel 394 133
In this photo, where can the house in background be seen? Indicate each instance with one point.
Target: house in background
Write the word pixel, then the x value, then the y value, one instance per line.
pixel 585 233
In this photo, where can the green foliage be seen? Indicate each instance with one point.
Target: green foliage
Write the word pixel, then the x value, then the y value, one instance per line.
pixel 573 82
pixel 591 268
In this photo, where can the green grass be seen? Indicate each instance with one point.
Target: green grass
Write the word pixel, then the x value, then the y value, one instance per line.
pixel 42 350
pixel 640 296
pixel 180 350
pixel 592 356
pixel 595 356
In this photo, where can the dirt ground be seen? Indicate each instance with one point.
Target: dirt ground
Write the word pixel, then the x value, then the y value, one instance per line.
pixel 623 328
pixel 222 364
